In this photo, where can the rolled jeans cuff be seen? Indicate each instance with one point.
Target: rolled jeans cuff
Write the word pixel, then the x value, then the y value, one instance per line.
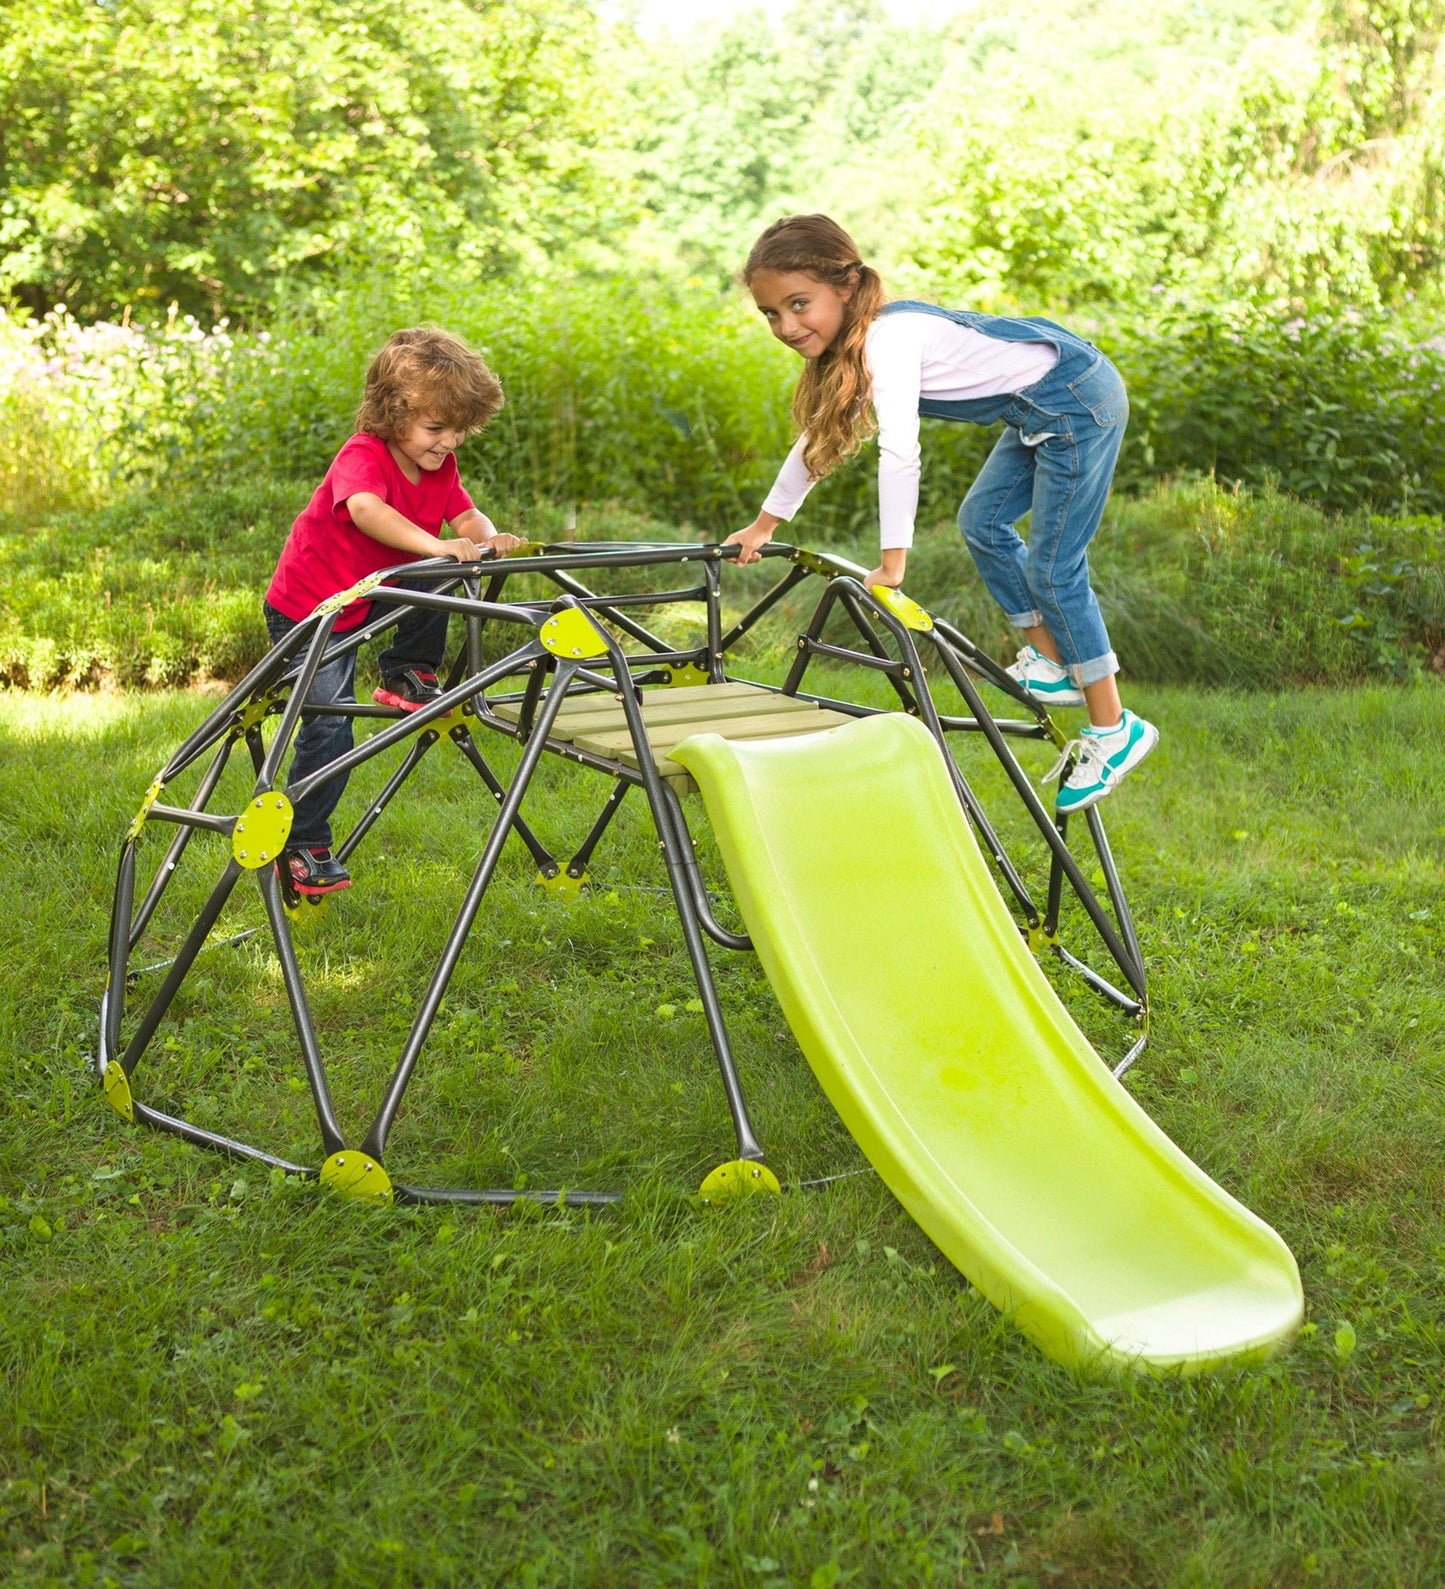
pixel 1025 620
pixel 1084 674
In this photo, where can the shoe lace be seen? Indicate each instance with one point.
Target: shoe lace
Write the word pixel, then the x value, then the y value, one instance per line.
pixel 1088 751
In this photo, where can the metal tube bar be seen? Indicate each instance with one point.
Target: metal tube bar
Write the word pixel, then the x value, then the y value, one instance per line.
pixel 794 577
pixel 1056 879
pixel 531 696
pixel 714 622
pixel 332 1140
pixel 267 671
pixel 852 593
pixel 858 659
pixel 562 1198
pixel 910 697
pixel 195 942
pixel 1116 890
pixel 809 637
pixel 464 742
pixel 993 671
pixel 425 740
pixel 748 1145
pixel 1005 725
pixel 178 844
pixel 1098 983
pixel 578 864
pixel 300 689
pixel 375 1143
pixel 113 1003
pixel 1133 1054
pixel 693 872
pixel 191 819
pixel 1042 819
pixel 210 1139
pixel 410 723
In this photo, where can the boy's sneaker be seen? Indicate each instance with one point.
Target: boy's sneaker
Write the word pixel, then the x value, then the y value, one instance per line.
pixel 1047 681
pixel 312 872
pixel 410 689
pixel 1103 759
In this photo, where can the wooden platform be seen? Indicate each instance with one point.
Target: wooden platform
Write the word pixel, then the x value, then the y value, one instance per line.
pixel 598 724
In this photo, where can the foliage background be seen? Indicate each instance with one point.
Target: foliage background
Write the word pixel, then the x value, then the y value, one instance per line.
pixel 210 218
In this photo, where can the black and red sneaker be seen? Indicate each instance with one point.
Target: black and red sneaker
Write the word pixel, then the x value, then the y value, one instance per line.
pixel 409 690
pixel 312 872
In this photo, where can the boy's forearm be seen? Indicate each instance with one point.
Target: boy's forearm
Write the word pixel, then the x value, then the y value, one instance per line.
pixel 383 523
pixel 474 524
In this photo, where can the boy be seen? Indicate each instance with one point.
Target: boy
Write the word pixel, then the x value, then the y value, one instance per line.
pixel 383 501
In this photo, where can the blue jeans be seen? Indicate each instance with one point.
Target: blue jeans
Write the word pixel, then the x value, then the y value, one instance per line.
pixel 1055 459
pixel 1064 481
pixel 420 640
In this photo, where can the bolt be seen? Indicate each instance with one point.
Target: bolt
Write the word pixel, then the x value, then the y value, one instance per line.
pixel 281 803
pixel 265 856
pixel 243 855
pixel 339 1161
pixel 240 827
pixel 757 1174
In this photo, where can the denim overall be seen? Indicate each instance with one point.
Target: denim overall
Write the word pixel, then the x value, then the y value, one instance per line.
pixel 1056 459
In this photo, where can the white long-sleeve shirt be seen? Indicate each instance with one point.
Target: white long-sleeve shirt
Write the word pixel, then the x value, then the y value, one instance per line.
pixel 912 355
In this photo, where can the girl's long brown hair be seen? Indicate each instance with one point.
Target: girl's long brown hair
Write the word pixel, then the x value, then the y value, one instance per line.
pixel 830 401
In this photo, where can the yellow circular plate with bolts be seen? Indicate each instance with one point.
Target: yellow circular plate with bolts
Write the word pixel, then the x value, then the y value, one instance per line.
pixel 740 1178
pixel 687 675
pixel 571 633
pixel 904 608
pixel 117 1090
pixel 564 885
pixel 1039 940
pixel 356 1175
pixel 261 830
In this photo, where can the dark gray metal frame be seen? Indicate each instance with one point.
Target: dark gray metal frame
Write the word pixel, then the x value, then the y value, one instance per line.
pixel 277 686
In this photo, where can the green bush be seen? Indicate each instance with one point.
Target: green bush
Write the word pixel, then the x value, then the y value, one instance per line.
pixel 1197 584
pixel 1346 409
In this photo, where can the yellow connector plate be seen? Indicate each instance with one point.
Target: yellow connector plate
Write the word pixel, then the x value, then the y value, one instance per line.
pixel 117 1090
pixel 261 830
pixel 904 608
pixel 356 1175
pixel 571 633
pixel 738 1178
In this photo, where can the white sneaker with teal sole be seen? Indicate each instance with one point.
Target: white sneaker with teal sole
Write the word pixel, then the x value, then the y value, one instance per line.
pixel 1103 759
pixel 1048 682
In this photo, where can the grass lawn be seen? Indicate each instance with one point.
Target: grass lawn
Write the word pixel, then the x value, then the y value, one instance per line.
pixel 212 1375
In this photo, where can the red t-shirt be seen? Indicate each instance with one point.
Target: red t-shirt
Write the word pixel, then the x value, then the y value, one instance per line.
pixel 325 552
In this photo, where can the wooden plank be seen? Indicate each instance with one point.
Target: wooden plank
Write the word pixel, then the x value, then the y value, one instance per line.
pixel 604 714
pixel 618 746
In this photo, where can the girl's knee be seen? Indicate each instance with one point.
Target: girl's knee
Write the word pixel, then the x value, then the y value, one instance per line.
pixel 980 531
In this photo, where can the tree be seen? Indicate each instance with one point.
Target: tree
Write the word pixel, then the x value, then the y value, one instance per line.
pixel 205 152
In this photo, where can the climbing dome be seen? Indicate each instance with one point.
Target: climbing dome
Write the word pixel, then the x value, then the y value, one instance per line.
pixel 561 669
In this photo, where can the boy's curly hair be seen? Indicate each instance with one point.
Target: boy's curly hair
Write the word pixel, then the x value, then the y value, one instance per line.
pixel 425 370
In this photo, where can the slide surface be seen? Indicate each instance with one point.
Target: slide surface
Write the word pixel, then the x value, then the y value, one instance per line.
pixel 960 1073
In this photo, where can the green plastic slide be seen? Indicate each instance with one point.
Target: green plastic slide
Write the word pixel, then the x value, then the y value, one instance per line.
pixel 962 1076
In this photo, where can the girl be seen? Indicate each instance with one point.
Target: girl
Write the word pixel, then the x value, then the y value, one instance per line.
pixel 1064 409
pixel 384 500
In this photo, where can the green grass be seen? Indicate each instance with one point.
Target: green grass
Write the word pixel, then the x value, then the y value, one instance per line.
pixel 212 1374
